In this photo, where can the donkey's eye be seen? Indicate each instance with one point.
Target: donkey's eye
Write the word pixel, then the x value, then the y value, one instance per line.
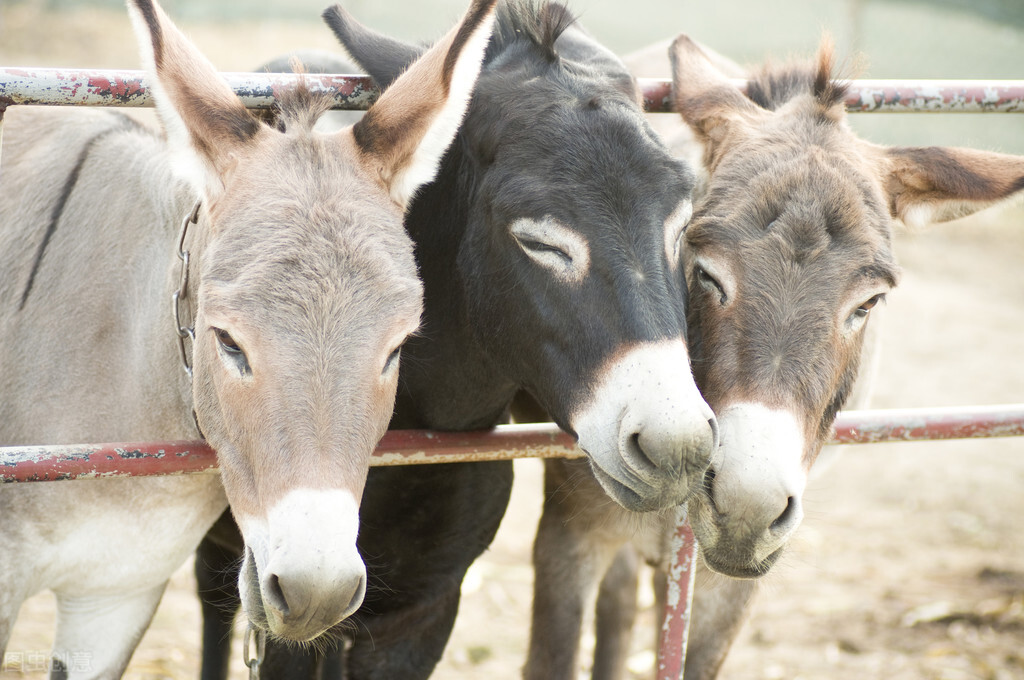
pixel 863 310
pixel 540 247
pixel 392 361
pixel 709 283
pixel 230 352
pixel 558 248
pixel 227 343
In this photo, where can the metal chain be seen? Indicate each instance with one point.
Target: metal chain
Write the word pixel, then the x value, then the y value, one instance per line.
pixel 254 662
pixel 184 331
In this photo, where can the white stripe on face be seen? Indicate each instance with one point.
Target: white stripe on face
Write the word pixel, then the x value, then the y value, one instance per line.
pixel 760 470
pixel 554 246
pixel 310 574
pixel 646 428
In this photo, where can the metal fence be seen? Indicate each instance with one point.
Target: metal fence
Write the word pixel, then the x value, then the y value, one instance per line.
pixel 28 86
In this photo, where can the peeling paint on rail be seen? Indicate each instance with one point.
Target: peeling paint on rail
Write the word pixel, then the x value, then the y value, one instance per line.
pixel 506 442
pixel 906 425
pixel 892 96
pixel 104 87
pixel 93 461
pixel 673 638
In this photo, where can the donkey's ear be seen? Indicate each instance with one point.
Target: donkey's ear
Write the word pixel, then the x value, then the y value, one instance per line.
pixel 206 124
pixel 406 132
pixel 383 58
pixel 936 184
pixel 709 103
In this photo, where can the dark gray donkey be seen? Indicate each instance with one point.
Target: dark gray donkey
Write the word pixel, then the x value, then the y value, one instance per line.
pixel 548 247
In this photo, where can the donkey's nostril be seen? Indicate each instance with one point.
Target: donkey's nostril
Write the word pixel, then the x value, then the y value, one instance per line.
pixel 788 515
pixel 637 449
pixel 357 596
pixel 713 422
pixel 273 594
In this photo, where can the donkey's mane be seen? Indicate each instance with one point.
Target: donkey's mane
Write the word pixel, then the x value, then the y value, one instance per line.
pixel 775 85
pixel 541 24
pixel 299 108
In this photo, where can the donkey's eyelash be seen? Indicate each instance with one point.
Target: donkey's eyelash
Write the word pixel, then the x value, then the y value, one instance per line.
pixel 226 341
pixel 869 305
pixel 232 353
pixel 540 247
pixel 709 283
pixel 393 358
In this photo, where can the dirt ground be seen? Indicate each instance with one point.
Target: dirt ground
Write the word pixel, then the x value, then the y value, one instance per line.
pixel 910 563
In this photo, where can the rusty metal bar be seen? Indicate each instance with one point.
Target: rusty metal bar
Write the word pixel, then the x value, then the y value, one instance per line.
pixel 101 87
pixel 675 628
pixel 505 442
pixel 398 447
pixel 93 461
pixel 907 425
pixel 5 101
pixel 893 96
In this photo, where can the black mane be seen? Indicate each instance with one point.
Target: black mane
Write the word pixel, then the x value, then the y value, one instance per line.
pixel 541 24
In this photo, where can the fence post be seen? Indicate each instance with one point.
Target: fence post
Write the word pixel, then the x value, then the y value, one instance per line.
pixel 3 110
pixel 675 628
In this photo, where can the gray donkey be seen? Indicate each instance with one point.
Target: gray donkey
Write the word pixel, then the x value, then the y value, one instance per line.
pixel 295 287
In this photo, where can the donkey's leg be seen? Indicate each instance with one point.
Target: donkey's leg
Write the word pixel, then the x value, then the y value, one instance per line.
pixel 6 624
pixel 12 594
pixel 9 606
pixel 216 569
pixel 96 636
pixel 569 559
pixel 720 607
pixel 615 615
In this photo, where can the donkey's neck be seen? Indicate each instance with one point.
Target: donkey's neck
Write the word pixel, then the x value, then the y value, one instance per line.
pixel 447 381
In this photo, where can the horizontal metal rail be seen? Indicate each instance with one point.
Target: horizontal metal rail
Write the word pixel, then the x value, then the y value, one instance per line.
pixel 102 87
pixel 893 96
pixel 97 87
pixel 505 442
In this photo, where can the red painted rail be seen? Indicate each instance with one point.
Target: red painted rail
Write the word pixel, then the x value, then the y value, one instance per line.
pixel 106 87
pixel 398 447
pixel 411 447
pixel 99 87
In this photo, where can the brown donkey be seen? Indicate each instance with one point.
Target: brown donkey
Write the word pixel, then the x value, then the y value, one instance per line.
pixel 302 288
pixel 788 252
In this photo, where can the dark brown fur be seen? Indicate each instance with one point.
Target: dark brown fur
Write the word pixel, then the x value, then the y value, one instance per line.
pixel 796 225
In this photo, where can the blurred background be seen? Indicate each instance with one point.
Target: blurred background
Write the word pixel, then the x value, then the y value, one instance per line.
pixel 910 564
pixel 896 38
